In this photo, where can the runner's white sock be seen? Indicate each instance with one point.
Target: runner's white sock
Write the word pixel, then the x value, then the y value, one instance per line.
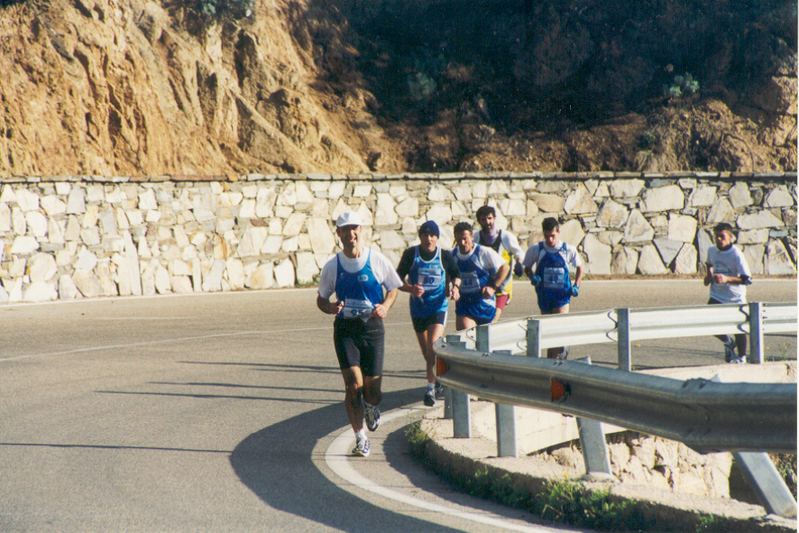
pixel 360 435
pixel 431 386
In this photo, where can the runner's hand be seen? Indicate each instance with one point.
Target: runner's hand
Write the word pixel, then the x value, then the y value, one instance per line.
pixel 575 291
pixel 535 280
pixel 518 270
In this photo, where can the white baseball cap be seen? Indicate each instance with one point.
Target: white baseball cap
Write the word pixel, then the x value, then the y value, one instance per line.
pixel 349 218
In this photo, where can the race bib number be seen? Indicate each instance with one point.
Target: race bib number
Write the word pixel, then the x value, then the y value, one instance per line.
pixel 430 278
pixel 469 282
pixel 555 278
pixel 357 308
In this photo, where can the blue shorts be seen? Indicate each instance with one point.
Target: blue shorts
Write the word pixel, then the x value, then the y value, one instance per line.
pixel 421 324
pixel 547 306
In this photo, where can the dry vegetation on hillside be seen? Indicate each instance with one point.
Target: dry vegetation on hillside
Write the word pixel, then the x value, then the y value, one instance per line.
pixel 147 88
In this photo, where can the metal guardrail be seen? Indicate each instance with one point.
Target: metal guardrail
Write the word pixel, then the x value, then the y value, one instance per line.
pixel 704 415
pixel 625 325
pixel 747 419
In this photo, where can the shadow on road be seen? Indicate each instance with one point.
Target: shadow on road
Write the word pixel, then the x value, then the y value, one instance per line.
pixel 276 464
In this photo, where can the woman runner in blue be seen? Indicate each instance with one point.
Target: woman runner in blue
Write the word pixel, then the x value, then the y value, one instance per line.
pixel 430 275
pixel 357 276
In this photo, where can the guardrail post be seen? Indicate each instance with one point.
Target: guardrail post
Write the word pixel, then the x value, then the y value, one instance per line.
pixel 761 474
pixel 454 340
pixel 481 341
pixel 447 403
pixel 461 410
pixel 506 425
pixel 623 334
pixel 461 417
pixel 533 337
pixel 595 448
pixel 756 333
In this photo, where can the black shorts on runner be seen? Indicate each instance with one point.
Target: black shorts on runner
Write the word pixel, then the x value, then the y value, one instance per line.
pixel 421 324
pixel 360 344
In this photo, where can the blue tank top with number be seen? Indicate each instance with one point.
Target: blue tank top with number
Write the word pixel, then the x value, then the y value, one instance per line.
pixel 360 291
pixel 556 284
pixel 473 278
pixel 433 279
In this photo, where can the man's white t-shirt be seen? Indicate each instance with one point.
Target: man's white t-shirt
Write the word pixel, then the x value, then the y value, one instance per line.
pixel 730 262
pixel 568 253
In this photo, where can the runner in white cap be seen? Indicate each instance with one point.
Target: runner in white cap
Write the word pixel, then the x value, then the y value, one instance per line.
pixel 357 277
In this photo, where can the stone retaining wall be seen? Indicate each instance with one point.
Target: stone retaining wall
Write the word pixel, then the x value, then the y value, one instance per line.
pixel 72 237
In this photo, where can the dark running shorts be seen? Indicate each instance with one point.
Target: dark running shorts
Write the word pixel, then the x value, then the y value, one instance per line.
pixel 421 324
pixel 481 321
pixel 548 307
pixel 360 344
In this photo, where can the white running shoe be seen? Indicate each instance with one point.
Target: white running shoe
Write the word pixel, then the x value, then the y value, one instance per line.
pixel 361 447
pixel 430 398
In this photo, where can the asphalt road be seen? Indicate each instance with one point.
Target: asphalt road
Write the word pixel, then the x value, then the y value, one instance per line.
pixel 217 412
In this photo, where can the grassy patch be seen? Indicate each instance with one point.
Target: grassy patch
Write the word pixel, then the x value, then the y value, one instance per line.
pixel 567 502
pixel 417 440
pixel 786 466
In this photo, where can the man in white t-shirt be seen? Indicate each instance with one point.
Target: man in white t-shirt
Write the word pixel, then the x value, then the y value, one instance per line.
pixel 357 277
pixel 728 275
pixel 548 264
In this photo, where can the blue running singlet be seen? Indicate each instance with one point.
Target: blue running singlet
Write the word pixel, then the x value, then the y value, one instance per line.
pixel 555 288
pixel 473 278
pixel 433 279
pixel 360 291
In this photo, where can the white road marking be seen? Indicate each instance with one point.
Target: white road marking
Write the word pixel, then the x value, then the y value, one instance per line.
pixel 337 458
pixel 162 341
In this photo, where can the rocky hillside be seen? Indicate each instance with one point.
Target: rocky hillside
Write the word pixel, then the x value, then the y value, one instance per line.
pixel 214 87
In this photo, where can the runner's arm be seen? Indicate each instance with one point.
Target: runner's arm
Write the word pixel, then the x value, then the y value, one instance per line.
pixel 328 307
pixel 403 269
pixel 578 277
pixel 381 309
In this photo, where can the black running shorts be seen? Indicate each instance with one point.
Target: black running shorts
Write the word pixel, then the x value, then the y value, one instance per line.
pixel 421 324
pixel 360 344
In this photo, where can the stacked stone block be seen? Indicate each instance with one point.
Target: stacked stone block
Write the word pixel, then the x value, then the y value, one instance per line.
pixel 65 238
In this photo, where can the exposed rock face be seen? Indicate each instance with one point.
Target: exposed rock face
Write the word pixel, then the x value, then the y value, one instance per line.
pixel 101 87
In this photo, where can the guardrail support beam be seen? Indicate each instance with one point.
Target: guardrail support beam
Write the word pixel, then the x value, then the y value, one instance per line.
pixel 595 448
pixel 506 425
pixel 461 416
pixel 623 333
pixel 506 430
pixel 461 410
pixel 761 474
pixel 533 338
pixel 756 333
pixel 454 340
